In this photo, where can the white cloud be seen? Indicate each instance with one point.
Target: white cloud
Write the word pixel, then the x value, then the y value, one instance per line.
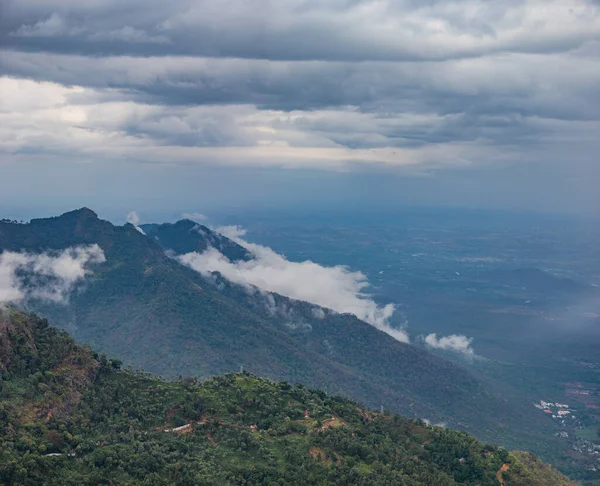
pixel 47 276
pixel 194 216
pixel 233 232
pixel 455 342
pixel 134 219
pixel 439 424
pixel 337 288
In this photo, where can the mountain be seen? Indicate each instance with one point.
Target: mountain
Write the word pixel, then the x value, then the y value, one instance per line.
pixel 154 313
pixel 186 236
pixel 71 417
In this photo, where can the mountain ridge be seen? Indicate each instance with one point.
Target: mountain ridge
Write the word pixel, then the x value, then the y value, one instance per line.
pixel 153 313
pixel 178 237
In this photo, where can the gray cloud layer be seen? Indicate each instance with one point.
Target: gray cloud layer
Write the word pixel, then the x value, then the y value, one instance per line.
pixel 328 84
pixel 340 30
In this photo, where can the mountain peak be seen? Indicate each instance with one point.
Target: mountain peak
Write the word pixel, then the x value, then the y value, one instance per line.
pixel 187 236
pixel 188 223
pixel 82 213
pixel 77 215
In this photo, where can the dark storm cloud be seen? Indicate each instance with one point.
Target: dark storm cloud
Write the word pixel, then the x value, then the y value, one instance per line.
pixel 475 86
pixel 495 100
pixel 499 130
pixel 182 128
pixel 325 83
pixel 296 30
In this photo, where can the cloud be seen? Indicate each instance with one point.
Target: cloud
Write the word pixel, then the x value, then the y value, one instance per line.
pixel 134 219
pixel 455 342
pixel 330 30
pixel 362 85
pixel 232 232
pixel 180 111
pixel 337 288
pixel 439 424
pixel 526 84
pixel 46 276
pixel 198 217
pixel 53 26
pixel 105 131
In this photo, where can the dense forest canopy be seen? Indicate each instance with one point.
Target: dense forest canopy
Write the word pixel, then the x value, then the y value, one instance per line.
pixel 73 417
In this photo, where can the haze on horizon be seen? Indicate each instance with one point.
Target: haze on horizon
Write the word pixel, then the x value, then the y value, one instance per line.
pixel 331 104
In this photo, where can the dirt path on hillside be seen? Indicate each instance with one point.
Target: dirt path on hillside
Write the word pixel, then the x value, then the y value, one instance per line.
pixel 501 471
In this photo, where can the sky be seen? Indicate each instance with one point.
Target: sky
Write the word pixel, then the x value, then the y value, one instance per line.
pixel 197 106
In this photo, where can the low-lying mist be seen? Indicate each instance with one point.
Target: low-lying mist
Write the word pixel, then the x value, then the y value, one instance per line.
pixel 336 287
pixel 47 276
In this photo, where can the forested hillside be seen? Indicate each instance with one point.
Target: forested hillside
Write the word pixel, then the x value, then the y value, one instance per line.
pixel 153 313
pixel 71 417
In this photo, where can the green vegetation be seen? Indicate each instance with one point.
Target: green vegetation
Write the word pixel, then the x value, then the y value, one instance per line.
pixel 589 433
pixel 526 469
pixel 71 417
pixel 155 314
